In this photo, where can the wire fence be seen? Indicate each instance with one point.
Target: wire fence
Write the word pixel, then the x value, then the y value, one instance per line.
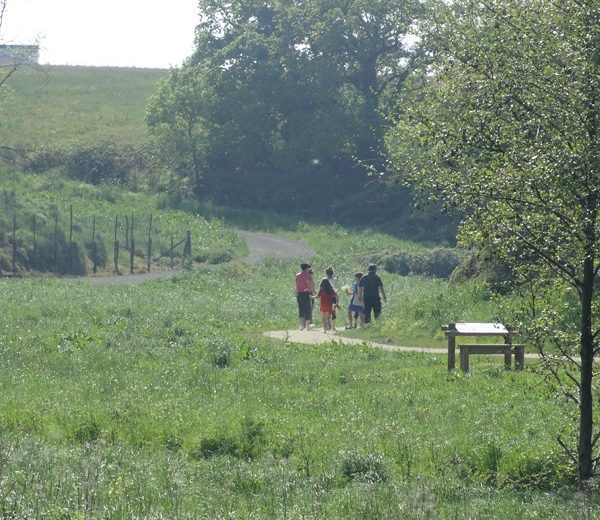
pixel 65 244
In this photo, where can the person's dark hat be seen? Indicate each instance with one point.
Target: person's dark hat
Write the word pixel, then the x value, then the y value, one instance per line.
pixel 304 266
pixel 372 267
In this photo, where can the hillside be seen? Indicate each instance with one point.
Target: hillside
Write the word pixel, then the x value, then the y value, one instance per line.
pixel 74 108
pixel 55 106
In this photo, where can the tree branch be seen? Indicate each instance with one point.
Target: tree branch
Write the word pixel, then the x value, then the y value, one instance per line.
pixel 568 451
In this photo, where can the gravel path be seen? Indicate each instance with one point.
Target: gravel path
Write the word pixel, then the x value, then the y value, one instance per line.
pixel 316 336
pixel 265 245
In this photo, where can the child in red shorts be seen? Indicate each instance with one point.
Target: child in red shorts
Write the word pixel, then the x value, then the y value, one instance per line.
pixel 328 298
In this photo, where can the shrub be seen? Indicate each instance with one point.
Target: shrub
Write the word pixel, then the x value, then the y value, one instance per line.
pixel 58 257
pixel 438 263
pixel 247 444
pixel 101 251
pixel 398 263
pixel 43 160
pixel 497 274
pixel 214 446
pixel 543 472
pixel 367 468
pixel 87 431
pixel 100 162
pixel 220 353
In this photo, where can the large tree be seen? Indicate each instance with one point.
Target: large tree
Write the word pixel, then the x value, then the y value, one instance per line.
pixel 504 124
pixel 299 82
pixel 178 115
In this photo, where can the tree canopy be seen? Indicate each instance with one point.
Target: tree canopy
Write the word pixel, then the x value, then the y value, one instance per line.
pixel 297 83
pixel 503 124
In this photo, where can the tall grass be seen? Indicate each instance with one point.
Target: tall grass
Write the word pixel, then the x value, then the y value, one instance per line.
pixel 162 400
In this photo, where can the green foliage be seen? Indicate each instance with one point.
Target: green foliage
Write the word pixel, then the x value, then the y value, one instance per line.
pixel 178 116
pixel 481 130
pixel 113 389
pixel 438 262
pixel 55 254
pixel 49 198
pixel 367 468
pixel 106 162
pixel 77 115
pixel 281 107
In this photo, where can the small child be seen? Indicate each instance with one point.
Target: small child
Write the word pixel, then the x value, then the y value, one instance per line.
pixel 356 308
pixel 328 298
pixel 333 282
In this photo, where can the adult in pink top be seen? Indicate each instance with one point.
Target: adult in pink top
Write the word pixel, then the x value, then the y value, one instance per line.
pixel 305 287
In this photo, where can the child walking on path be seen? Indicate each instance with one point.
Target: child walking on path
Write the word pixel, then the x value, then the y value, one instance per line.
pixel 355 307
pixel 328 298
pixel 333 282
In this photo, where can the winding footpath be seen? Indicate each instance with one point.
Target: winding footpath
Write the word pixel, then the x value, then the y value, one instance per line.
pixel 316 337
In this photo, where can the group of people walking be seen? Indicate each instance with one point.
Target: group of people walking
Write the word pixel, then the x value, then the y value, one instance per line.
pixel 365 293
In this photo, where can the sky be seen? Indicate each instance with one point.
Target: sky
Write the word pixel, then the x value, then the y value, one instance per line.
pixel 122 33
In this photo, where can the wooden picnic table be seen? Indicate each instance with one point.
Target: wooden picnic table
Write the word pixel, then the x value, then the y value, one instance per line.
pixel 453 330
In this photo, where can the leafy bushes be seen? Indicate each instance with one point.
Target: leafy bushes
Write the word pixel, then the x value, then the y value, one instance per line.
pixel 247 443
pixel 62 257
pixel 437 263
pixel 104 161
pixel 495 272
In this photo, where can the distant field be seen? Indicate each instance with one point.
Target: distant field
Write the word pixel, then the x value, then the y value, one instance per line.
pixel 57 106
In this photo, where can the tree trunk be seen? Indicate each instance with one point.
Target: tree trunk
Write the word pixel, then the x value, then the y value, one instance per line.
pixel 370 139
pixel 196 163
pixel 585 447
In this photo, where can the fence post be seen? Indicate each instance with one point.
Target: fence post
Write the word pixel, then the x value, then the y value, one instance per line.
pixel 116 245
pixel 14 247
pixel 132 248
pixel 126 232
pixel 34 255
pixel 94 246
pixel 71 239
pixel 187 247
pixel 172 251
pixel 149 242
pixel 56 243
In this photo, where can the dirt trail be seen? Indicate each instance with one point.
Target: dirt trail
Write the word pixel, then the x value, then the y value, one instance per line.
pixel 317 337
pixel 265 245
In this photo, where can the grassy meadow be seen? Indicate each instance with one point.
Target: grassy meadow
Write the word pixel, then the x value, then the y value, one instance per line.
pixel 58 106
pixel 164 400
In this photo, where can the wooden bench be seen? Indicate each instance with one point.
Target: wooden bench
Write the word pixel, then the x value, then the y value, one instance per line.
pixel 478 330
pixel 506 349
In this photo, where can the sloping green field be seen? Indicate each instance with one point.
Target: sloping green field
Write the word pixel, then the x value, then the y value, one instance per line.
pixel 57 106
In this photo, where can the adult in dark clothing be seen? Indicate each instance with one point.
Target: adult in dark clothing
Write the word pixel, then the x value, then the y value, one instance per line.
pixel 369 289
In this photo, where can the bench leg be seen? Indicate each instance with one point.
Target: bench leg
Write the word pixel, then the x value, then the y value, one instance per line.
pixel 451 352
pixel 519 358
pixel 507 360
pixel 464 359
